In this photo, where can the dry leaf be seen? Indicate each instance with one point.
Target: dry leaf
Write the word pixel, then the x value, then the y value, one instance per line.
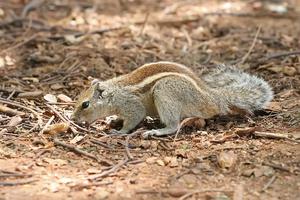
pixel 57 128
pixel 290 71
pixel 227 159
pixel 276 69
pixel 64 98
pixel 50 98
pixel 274 106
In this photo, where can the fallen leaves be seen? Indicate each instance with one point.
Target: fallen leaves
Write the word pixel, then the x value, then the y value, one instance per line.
pixel 50 98
pixel 55 129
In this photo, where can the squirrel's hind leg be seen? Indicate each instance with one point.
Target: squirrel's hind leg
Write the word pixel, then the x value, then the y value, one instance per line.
pixel 169 111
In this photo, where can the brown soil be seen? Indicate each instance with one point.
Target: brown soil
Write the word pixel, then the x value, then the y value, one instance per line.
pixel 54 47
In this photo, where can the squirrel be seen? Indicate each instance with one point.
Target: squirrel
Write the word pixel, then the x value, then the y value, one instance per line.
pixel 173 92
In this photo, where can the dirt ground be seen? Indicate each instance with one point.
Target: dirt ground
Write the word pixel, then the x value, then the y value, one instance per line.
pixel 50 50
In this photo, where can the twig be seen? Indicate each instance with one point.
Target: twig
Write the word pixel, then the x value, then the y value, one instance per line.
pixel 75 149
pixel 251 47
pixel 40 121
pixel 112 170
pixel 95 141
pixel 201 191
pixel 100 31
pixel 65 119
pixel 31 6
pixel 269 183
pixel 10 111
pixel 278 55
pixel 20 44
pixel 274 136
pixel 182 124
pixel 46 125
pixel 15 175
pixel 130 157
pixel 16 183
pixel 279 167
pixel 144 23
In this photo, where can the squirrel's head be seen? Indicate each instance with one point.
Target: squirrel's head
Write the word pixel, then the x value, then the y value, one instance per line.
pixel 94 103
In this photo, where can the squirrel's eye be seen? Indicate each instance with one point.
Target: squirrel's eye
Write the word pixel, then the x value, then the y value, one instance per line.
pixel 85 104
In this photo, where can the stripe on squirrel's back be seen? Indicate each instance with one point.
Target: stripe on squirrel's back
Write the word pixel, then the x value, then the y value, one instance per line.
pixel 152 69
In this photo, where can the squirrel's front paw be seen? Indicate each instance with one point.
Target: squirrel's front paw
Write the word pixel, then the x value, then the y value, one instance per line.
pixel 148 134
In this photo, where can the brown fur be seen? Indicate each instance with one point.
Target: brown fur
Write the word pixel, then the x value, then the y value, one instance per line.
pixel 151 69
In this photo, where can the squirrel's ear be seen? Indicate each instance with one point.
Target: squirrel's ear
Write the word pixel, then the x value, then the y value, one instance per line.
pixel 99 89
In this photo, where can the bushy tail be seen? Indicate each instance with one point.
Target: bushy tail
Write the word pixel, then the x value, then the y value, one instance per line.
pixel 239 88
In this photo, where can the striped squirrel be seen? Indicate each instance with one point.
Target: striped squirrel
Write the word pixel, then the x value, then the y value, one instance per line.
pixel 172 92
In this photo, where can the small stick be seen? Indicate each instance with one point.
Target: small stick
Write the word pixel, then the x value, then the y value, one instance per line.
pixel 201 191
pixel 181 125
pixel 274 136
pixel 16 183
pixel 95 141
pixel 11 95
pixel 10 111
pixel 31 6
pixel 75 149
pixel 46 125
pixel 40 121
pixel 276 166
pixel 15 175
pixel 112 170
pixel 269 183
pixel 251 47
pixel 278 55
pixel 130 157
pixel 144 23
pixel 65 119
pixel 62 118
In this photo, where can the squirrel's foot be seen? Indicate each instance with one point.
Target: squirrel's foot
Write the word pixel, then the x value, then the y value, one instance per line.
pixel 116 132
pixel 148 134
